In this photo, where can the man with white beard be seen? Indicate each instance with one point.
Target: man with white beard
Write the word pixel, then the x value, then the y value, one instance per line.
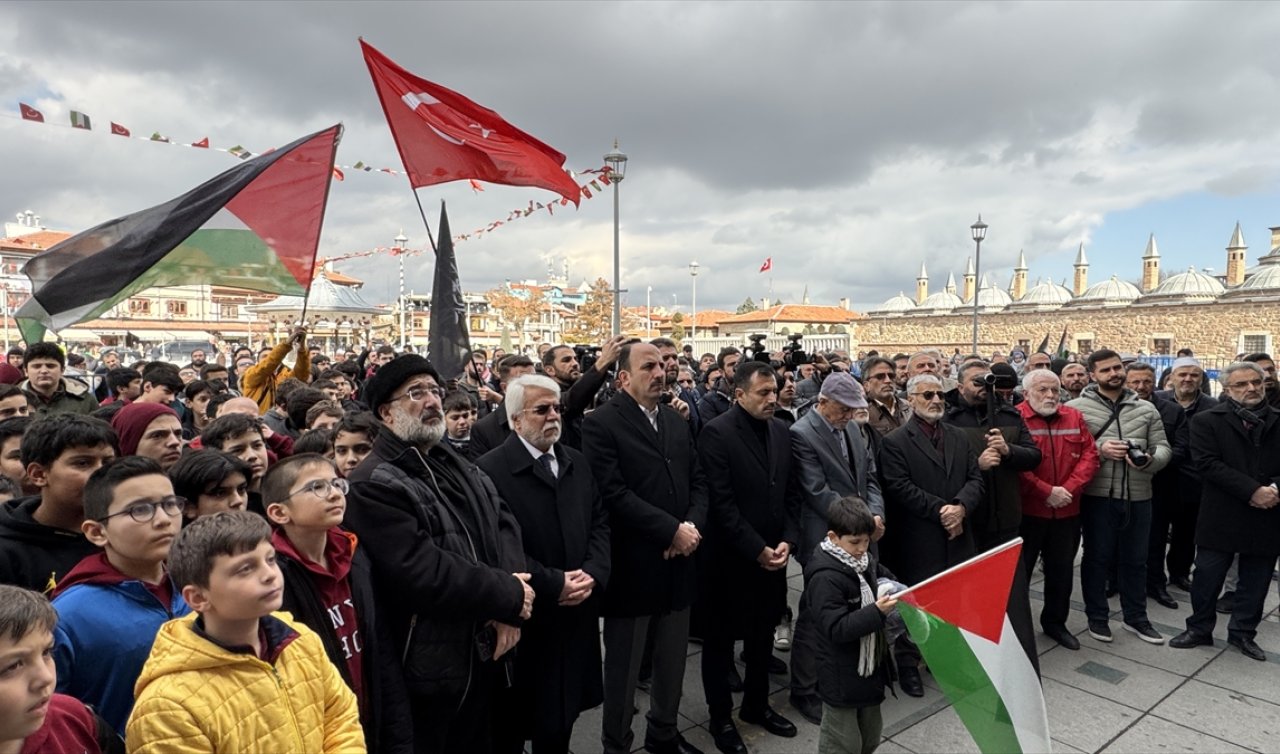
pixel 1050 493
pixel 448 563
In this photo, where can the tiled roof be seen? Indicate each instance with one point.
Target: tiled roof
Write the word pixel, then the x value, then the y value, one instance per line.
pixel 34 242
pixel 794 313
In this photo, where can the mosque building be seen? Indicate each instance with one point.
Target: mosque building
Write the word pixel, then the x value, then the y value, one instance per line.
pixel 1217 316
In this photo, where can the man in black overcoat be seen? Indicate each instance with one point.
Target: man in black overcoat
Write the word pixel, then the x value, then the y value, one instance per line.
pixel 752 529
pixel 565 531
pixel 642 454
pixel 1236 448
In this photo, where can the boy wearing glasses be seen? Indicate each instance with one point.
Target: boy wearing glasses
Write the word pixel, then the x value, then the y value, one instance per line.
pixel 40 536
pixel 111 605
pixel 327 582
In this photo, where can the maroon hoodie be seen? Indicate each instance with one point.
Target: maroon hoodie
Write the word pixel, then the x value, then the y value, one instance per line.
pixel 334 591
pixel 96 569
pixel 69 728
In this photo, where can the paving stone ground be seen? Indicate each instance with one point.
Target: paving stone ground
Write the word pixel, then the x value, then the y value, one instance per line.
pixel 1123 697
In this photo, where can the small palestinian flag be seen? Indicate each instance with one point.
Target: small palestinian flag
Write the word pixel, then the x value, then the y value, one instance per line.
pixel 80 120
pixel 240 152
pixel 157 137
pixel 255 226
pixel 958 619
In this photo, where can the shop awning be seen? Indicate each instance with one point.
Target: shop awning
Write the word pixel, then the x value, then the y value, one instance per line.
pixel 76 335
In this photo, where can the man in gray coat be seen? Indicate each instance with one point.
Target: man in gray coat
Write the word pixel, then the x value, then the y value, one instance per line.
pixel 1115 512
pixel 831 461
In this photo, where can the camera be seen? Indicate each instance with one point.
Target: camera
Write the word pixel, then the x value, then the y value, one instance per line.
pixel 793 354
pixel 996 381
pixel 666 398
pixel 1136 454
pixel 587 356
pixel 756 350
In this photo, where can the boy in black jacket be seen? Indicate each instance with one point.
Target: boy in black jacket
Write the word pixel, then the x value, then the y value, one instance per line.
pixel 327 587
pixel 840 587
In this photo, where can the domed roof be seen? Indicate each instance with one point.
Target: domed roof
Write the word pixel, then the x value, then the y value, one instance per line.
pixel 899 304
pixel 1113 292
pixel 1264 282
pixel 1046 295
pixel 940 303
pixel 992 299
pixel 1187 286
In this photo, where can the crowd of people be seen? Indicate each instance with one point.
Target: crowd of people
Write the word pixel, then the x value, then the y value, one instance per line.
pixel 362 554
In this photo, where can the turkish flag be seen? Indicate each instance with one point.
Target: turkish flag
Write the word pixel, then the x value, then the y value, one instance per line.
pixel 443 136
pixel 118 129
pixel 768 265
pixel 202 144
pixel 30 113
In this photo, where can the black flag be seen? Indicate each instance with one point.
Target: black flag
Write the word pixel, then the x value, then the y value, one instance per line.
pixel 1062 344
pixel 1044 345
pixel 448 345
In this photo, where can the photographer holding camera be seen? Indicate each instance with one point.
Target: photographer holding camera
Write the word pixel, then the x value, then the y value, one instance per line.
pixel 1115 514
pixel 580 371
pixel 1000 437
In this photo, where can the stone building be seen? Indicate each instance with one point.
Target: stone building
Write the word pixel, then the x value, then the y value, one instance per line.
pixel 1216 316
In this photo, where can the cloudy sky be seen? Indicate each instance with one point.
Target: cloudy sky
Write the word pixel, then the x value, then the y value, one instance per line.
pixel 848 141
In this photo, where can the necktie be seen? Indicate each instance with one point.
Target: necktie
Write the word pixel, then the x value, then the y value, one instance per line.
pixel 545 460
pixel 844 449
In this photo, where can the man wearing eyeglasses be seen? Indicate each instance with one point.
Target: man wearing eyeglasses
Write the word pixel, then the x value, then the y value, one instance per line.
pixel 643 458
pixel 565 533
pixel 1236 446
pixel 887 411
pixel 449 568
pixel 932 487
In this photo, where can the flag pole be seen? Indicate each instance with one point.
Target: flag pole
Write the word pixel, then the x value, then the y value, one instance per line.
pixel 423 214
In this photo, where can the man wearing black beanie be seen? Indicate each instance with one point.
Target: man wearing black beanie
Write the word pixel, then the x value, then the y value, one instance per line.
pixel 448 563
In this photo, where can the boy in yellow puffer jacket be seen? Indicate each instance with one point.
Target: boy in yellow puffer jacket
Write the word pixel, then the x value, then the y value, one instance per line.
pixel 233 676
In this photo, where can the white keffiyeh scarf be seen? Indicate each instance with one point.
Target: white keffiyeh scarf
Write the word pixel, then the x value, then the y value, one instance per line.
pixel 867 647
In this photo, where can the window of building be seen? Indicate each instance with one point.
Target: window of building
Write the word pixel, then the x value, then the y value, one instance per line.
pixel 1161 346
pixel 1256 343
pixel 229 311
pixel 1084 345
pixel 177 308
pixel 1024 344
pixel 139 306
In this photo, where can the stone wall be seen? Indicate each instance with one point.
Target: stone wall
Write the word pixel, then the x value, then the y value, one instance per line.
pixel 1215 329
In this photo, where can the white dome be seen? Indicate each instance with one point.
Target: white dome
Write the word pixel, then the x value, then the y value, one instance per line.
pixel 1047 295
pixel 991 299
pixel 940 303
pixel 1264 282
pixel 1187 286
pixel 899 304
pixel 1113 292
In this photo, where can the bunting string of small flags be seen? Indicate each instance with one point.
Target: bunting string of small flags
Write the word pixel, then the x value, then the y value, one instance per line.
pixel 590 188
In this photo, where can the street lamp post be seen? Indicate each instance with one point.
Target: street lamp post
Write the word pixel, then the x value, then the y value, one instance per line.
pixel 617 162
pixel 979 230
pixel 693 321
pixel 400 242
pixel 648 311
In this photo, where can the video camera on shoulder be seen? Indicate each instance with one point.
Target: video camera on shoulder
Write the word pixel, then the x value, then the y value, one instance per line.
pixel 793 354
pixel 586 355
pixel 996 381
pixel 756 350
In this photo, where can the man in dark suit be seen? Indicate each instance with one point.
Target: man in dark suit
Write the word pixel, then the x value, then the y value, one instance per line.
pixel 832 461
pixel 718 398
pixel 643 457
pixel 932 488
pixel 492 430
pixel 565 532
pixel 1236 447
pixel 746 455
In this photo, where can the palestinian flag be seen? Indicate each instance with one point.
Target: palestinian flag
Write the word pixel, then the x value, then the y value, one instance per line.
pixel 256 226
pixel 958 619
pixel 80 120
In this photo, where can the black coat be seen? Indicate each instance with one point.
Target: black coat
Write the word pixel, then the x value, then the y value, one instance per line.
pixel 834 601
pixel 753 505
pixel 651 483
pixel 564 527
pixel 442 562
pixel 1233 466
pixel 490 432
pixel 387 721
pixel 999 518
pixel 917 483
pixel 1177 430
pixel 712 405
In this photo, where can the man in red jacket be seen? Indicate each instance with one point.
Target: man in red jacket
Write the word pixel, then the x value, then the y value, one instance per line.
pixel 1051 495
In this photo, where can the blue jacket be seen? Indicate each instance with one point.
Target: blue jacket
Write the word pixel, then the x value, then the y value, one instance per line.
pixel 103 637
